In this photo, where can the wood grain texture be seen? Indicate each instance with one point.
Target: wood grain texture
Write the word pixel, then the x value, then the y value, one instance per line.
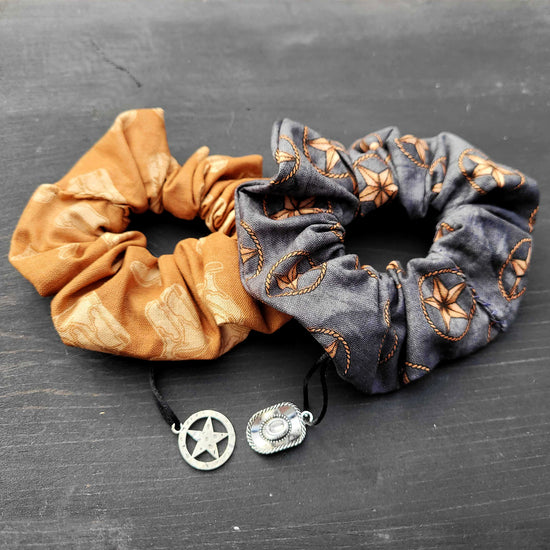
pixel 457 460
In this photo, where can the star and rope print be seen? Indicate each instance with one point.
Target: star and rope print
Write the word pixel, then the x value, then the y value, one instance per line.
pixel 384 330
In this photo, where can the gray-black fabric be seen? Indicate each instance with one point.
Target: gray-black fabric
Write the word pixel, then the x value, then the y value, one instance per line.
pixel 386 329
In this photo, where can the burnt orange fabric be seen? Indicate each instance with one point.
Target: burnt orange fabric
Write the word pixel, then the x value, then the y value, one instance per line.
pixel 111 294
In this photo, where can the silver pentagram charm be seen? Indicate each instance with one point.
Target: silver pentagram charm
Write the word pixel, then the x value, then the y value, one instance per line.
pixel 206 440
pixel 277 428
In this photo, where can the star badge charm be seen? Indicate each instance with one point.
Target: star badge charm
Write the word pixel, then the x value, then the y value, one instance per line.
pixel 206 441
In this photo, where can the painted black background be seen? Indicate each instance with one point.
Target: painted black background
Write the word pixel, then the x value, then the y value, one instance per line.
pixel 457 460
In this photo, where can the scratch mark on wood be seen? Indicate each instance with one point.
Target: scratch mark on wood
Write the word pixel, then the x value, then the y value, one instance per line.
pixel 52 391
pixel 231 121
pixel 15 351
pixel 14 336
pixel 107 59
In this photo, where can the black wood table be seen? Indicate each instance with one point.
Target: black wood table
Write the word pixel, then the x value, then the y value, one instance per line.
pixel 459 459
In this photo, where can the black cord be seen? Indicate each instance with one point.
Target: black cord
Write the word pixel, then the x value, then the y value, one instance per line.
pixel 165 410
pixel 321 364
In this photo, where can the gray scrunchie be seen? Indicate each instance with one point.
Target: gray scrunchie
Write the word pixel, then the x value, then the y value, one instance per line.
pixel 384 330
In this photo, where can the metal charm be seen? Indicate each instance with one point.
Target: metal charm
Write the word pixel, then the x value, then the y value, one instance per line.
pixel 277 428
pixel 206 440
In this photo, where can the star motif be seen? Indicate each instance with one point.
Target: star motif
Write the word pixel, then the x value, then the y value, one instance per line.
pixel 282 156
pixel 332 348
pixel 394 264
pixel 444 300
pixel 296 207
pixel 436 187
pixel 366 146
pixel 207 439
pixel 369 271
pixel 290 280
pixel 380 187
pixel 331 151
pixel 533 219
pixel 486 167
pixel 247 253
pixel 520 268
pixel 419 144
pixel 442 230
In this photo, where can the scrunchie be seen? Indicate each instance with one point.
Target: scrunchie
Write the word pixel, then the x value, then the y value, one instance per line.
pixel 384 330
pixel 111 294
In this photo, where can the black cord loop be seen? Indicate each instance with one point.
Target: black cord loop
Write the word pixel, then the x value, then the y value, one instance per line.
pixel 321 364
pixel 165 410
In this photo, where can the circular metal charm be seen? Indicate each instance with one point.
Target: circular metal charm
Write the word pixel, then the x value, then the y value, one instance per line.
pixel 206 440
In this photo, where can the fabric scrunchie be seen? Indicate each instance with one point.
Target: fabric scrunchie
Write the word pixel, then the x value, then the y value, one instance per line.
pixel 111 293
pixel 384 330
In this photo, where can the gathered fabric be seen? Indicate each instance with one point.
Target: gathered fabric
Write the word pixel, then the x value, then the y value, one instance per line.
pixel 384 330
pixel 110 293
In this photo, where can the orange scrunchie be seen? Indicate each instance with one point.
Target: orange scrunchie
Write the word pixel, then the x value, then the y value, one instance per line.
pixel 112 295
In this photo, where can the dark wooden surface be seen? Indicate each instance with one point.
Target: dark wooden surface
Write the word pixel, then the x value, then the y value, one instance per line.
pixel 458 460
